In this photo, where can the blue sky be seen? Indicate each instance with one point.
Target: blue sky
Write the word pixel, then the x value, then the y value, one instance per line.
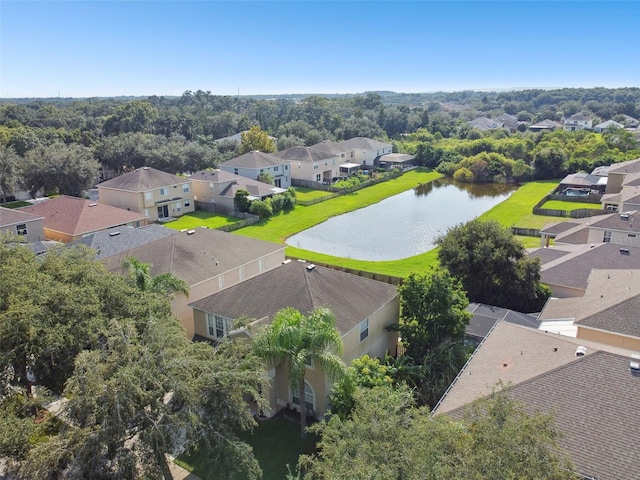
pixel 110 48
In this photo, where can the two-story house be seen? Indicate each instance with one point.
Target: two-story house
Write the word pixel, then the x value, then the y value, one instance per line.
pixel 366 151
pixel 17 222
pixel 158 195
pixel 252 164
pixel 312 164
pixel 577 122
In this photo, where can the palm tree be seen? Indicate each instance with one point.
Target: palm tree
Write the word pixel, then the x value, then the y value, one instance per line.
pixel 298 340
pixel 165 284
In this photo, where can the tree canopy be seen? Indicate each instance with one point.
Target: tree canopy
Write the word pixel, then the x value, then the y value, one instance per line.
pixel 299 340
pixel 492 266
pixel 256 139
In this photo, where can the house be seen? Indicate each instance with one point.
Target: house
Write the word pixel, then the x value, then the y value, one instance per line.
pixel 485 317
pixel 66 219
pixel 545 125
pixel 208 260
pixel 628 121
pixel 484 124
pixel 583 182
pixel 219 187
pixel 365 151
pixel 508 121
pixel 618 228
pixel 617 173
pixel 252 164
pixel 17 222
pixel 577 122
pixel 566 268
pixel 120 239
pixel 609 311
pixel 588 387
pixel 363 308
pixel 156 194
pixel 402 161
pixel 609 124
pixel 312 164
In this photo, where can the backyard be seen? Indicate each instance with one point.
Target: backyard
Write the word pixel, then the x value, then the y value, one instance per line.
pixel 276 443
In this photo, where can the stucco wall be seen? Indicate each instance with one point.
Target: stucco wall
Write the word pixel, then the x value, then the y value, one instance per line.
pixel 608 338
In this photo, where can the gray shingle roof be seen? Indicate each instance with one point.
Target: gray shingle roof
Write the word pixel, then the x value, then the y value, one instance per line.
pixel 578 117
pixel 623 222
pixel 331 147
pixel 142 180
pixel 594 398
pixel 351 298
pixel 630 166
pixel 485 316
pixel 364 143
pixel 198 257
pixel 305 154
pixel 573 269
pixel 484 123
pixel 115 240
pixel 254 159
pixel 237 182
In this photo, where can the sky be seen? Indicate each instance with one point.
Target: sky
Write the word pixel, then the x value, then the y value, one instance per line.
pixel 139 48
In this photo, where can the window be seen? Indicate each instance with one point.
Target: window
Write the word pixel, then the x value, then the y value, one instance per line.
pixel 148 195
pixel 185 188
pixel 178 207
pixel 308 397
pixel 163 192
pixel 235 171
pixel 315 165
pixel 607 236
pixel 21 229
pixel 216 325
pixel 318 178
pixel 286 167
pixel 632 235
pixel 275 169
pixel 187 204
pixel 364 329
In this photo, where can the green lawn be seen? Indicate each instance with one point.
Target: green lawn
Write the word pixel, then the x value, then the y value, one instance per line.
pixel 307 194
pixel 276 443
pixel 560 205
pixel 16 204
pixel 200 218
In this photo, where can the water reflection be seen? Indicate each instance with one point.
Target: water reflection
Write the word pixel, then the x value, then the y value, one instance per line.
pixel 403 225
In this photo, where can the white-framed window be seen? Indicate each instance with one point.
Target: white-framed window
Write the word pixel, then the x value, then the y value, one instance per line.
pixel 318 178
pixel 178 207
pixel 606 237
pixel 148 195
pixel 217 326
pixel 163 192
pixel 309 397
pixel 286 167
pixel 21 229
pixel 316 165
pixel 185 188
pixel 364 329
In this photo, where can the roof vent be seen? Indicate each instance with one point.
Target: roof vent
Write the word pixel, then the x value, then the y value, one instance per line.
pixel 310 267
pixel 145 168
pixel 581 351
pixel 634 364
pixel 624 216
pixel 113 234
pixel 190 232
pixel 93 204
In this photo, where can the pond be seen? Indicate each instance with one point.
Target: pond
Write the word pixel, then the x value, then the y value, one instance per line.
pixel 404 225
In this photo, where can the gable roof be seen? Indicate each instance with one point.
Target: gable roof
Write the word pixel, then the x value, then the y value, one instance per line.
pixel 484 123
pixel 142 180
pixel 572 269
pixel 11 216
pixel 236 182
pixel 254 159
pixel 119 239
pixel 351 298
pixel 485 316
pixel 305 154
pixel 77 216
pixel 630 166
pixel 622 222
pixel 364 143
pixel 609 123
pixel 545 124
pixel 593 397
pixel 331 147
pixel 196 257
pixel 578 117
pixel 507 120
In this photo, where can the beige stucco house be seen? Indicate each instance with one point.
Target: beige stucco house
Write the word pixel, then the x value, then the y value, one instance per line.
pixel 363 308
pixel 219 187
pixel 17 222
pixel 208 260
pixel 312 164
pixel 252 164
pixel 365 151
pixel 156 194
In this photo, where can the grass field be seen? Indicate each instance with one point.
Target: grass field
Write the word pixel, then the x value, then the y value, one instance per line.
pixel 308 194
pixel 560 205
pixel 276 443
pixel 200 218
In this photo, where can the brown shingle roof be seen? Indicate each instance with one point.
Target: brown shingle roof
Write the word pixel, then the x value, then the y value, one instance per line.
pixel 76 216
pixel 192 258
pixel 351 298
pixel 142 180
pixel 593 398
pixel 10 216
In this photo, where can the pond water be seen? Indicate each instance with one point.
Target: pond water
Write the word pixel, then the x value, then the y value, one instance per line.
pixel 404 225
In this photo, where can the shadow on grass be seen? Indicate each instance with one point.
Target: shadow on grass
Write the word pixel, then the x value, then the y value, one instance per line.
pixel 276 443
